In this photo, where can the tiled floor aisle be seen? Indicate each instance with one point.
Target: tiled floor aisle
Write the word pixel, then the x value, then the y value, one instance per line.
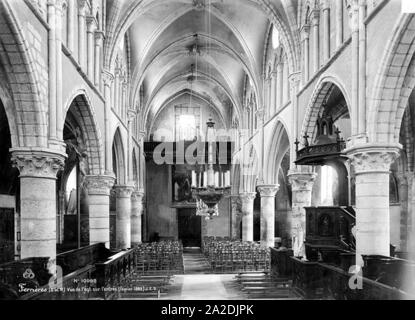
pixel 199 284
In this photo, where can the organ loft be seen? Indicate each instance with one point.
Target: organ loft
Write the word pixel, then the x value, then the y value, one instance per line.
pixel 250 149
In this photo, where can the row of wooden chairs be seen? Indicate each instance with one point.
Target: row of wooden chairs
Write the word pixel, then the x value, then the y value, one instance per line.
pixel 164 257
pixel 235 256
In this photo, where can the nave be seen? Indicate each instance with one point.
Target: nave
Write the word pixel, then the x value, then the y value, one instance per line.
pixel 275 135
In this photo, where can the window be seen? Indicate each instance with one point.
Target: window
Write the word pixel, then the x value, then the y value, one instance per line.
pixel 187 127
pixel 275 38
pixel 71 183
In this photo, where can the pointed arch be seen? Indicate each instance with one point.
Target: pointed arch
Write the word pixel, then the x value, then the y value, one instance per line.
pixel 80 109
pixel 322 91
pixel 118 161
pixel 29 116
pixel 394 83
pixel 277 149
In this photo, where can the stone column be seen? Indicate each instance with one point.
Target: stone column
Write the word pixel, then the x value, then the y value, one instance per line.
pixel 115 105
pixel 403 199
pixel 315 20
pixel 82 8
pixel 123 219
pixel 268 193
pixel 98 188
pixel 38 169
pixel 372 168
pixel 272 107
pixel 302 186
pixel 91 27
pixel 362 68
pixel 71 25
pixel 236 217
pixel 53 123
pixel 280 85
pixel 59 70
pixel 247 202
pixel 339 23
pixel 354 26
pixel 136 217
pixel 295 80
pixel 99 40
pixel 305 35
pixel 108 78
pixel 131 116
pixel 326 28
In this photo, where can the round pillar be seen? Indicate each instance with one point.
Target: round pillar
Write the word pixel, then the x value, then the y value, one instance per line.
pixel 123 219
pixel 236 217
pixel 247 200
pixel 136 217
pixel 372 168
pixel 302 186
pixel 98 188
pixel 268 193
pixel 38 169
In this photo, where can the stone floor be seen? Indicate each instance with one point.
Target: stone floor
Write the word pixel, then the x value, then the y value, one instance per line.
pixel 198 282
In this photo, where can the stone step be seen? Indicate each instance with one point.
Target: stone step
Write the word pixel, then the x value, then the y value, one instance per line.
pixel 266 285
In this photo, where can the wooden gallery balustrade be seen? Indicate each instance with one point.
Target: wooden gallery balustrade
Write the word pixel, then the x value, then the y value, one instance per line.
pixel 92 272
pixel 329 271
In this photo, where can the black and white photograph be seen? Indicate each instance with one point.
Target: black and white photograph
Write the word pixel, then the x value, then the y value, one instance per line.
pixel 219 153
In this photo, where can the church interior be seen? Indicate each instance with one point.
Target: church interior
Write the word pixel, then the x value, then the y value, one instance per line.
pixel 207 149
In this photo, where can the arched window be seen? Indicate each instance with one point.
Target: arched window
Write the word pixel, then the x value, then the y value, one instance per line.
pixel 275 38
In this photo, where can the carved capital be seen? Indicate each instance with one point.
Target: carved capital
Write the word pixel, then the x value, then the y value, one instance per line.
pixel 91 23
pixel 82 7
pixel 315 17
pixel 108 78
pixel 247 197
pixel 353 10
pixel 124 191
pixel 137 196
pixel 260 114
pixel 99 185
pixel 372 159
pixel 301 181
pixel 305 32
pixel 99 37
pixel 38 163
pixel 268 191
pixel 402 178
pixel 295 79
pixel 140 136
pixel 131 114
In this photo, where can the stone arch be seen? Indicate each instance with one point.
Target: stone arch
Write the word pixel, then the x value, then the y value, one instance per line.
pixel 278 147
pixel 322 91
pixel 7 101
pixel 15 56
pixel 118 162
pixel 80 108
pixel 394 84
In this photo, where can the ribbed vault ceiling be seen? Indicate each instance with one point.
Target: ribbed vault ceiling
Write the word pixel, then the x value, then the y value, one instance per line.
pixel 230 36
